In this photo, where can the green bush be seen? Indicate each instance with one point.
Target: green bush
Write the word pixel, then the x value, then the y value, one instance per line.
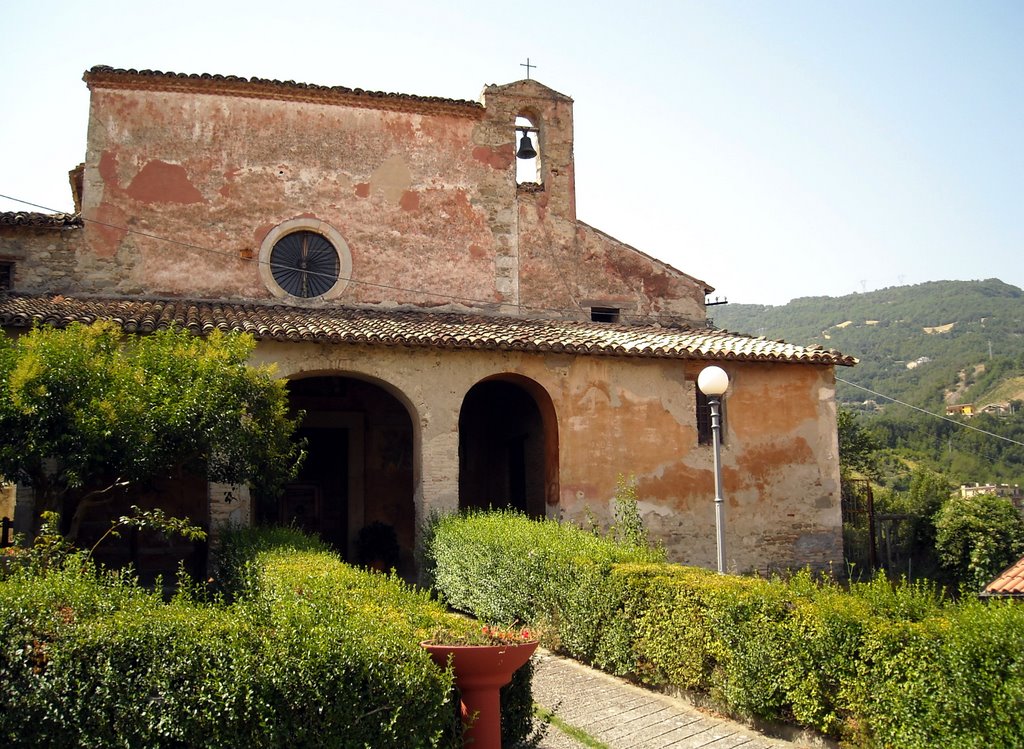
pixel 311 653
pixel 878 664
pixel 281 565
pixel 504 567
pixel 956 679
pixel 695 629
pixel 674 637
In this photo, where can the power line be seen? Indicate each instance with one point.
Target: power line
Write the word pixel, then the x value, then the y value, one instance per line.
pixel 929 413
pixel 386 287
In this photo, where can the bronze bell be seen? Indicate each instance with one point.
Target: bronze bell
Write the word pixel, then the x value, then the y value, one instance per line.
pixel 526 149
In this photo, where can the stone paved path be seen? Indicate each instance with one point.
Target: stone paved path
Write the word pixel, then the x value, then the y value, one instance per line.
pixel 621 715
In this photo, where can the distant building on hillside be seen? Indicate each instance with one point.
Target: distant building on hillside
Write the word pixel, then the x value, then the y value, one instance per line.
pixel 996 409
pixel 960 409
pixel 1012 493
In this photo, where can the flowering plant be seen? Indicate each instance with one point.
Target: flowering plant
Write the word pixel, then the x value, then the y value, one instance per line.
pixel 499 636
pixel 487 634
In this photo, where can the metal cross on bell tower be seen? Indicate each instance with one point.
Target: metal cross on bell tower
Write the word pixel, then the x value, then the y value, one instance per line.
pixel 527 65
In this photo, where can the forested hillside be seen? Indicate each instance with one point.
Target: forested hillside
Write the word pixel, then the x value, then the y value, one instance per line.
pixel 931 345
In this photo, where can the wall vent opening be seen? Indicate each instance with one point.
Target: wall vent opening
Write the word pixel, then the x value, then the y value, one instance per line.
pixel 604 314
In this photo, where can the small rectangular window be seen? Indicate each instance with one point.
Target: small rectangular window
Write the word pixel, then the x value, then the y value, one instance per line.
pixel 604 314
pixel 704 418
pixel 6 275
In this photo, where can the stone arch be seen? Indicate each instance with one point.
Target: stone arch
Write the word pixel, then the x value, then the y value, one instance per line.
pixel 508 446
pixel 361 466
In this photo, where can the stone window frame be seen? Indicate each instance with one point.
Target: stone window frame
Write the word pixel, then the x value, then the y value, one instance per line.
pixel 317 226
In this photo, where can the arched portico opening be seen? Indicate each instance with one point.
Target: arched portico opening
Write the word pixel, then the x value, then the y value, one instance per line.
pixel 508 447
pixel 358 471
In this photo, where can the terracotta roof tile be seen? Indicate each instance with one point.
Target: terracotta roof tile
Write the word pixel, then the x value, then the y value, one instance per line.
pixel 45 220
pixel 1009 583
pixel 104 76
pixel 409 328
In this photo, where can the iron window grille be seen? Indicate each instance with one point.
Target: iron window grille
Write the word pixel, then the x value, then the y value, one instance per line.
pixel 704 418
pixel 305 264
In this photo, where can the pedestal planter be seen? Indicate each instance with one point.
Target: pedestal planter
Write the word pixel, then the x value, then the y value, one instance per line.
pixel 480 673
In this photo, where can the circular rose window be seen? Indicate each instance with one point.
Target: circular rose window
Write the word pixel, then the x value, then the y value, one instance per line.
pixel 305 259
pixel 304 264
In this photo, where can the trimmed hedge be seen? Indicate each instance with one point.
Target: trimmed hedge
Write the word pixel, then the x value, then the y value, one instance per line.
pixel 505 567
pixel 878 664
pixel 311 653
pixel 268 566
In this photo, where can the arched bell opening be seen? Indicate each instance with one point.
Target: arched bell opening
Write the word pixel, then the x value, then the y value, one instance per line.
pixel 528 157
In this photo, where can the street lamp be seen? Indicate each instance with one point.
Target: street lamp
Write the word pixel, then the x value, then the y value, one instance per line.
pixel 713 382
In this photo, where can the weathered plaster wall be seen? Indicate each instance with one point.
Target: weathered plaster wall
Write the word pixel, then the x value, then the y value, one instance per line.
pixel 570 266
pixel 566 267
pixel 219 172
pixel 635 418
pixel 180 188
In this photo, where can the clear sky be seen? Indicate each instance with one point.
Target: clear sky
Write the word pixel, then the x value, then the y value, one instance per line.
pixel 772 149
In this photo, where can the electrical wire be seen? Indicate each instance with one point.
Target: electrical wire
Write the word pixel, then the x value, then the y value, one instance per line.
pixel 386 287
pixel 929 413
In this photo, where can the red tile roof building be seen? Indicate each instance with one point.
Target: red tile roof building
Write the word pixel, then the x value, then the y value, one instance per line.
pixel 1008 584
pixel 456 336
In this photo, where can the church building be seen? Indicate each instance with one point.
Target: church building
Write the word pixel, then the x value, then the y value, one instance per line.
pixel 457 338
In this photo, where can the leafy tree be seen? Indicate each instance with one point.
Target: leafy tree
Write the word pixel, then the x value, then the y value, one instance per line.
pixel 913 512
pixel 977 537
pixel 87 412
pixel 857 446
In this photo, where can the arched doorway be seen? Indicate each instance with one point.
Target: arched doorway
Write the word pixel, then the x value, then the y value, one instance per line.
pixel 508 447
pixel 358 472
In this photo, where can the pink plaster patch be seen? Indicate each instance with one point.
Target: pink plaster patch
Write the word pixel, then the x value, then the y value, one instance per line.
pixel 160 182
pixel 108 169
pixel 107 230
pixel 363 190
pixel 477 251
pixel 496 158
pixel 410 200
pixel 261 233
pixel 229 177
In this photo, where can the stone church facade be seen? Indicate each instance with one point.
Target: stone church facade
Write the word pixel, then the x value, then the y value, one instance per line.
pixel 455 335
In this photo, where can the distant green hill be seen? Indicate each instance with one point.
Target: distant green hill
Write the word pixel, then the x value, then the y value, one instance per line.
pixel 930 345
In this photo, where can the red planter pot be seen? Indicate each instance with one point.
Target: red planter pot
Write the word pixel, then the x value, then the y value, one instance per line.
pixel 480 673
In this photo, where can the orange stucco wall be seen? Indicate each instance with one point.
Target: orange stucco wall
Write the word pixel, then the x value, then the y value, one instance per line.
pixel 636 418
